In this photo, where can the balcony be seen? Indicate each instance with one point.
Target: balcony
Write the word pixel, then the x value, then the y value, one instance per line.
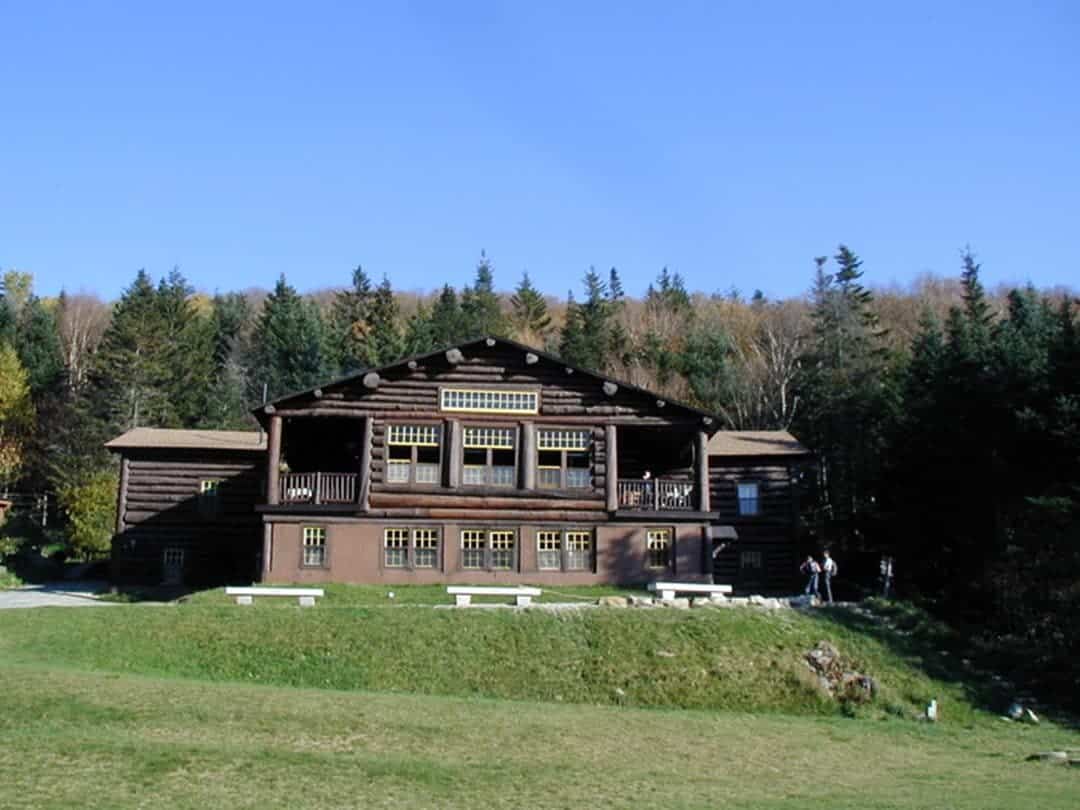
pixel 656 495
pixel 318 488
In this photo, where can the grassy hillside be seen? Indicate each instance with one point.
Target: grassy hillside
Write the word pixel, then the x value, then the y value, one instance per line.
pixel 731 659
pixel 95 740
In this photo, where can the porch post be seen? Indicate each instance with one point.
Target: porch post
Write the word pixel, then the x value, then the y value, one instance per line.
pixel 268 547
pixel 121 497
pixel 365 464
pixel 702 463
pixel 611 481
pixel 273 460
pixel 528 455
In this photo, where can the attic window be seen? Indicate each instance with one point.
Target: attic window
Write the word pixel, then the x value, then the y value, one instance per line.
pixel 469 400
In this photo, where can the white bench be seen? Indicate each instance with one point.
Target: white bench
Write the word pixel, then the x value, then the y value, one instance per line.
pixel 667 590
pixel 463 594
pixel 246 596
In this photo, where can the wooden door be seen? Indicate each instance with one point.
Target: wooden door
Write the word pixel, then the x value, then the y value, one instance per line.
pixel 172 569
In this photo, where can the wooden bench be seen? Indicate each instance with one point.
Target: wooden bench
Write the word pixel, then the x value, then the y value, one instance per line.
pixel 667 590
pixel 463 594
pixel 246 596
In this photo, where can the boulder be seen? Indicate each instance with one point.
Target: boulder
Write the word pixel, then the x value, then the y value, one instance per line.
pixel 702 601
pixel 664 654
pixel 682 603
pixel 757 599
pixel 640 601
pixel 1031 717
pixel 613 601
pixel 1057 757
pixel 738 600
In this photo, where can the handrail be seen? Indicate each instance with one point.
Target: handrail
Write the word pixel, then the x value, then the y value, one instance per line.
pixel 656 494
pixel 318 487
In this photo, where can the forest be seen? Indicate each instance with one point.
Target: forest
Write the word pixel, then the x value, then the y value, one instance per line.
pixel 945 418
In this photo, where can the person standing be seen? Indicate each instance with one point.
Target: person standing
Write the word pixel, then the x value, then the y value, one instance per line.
pixel 831 569
pixel 811 568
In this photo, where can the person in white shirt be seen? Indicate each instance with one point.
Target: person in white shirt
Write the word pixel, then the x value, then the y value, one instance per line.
pixel 830 568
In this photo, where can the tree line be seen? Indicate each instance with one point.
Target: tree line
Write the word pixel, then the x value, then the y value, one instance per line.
pixel 944 419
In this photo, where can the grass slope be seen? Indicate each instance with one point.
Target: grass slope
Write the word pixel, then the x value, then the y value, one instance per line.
pixel 97 740
pixel 730 659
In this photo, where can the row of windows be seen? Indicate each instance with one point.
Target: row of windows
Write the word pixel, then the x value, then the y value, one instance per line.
pixel 489 456
pixel 480 401
pixel 489 549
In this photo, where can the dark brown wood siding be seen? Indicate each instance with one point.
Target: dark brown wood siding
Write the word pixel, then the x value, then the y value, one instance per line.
pixel 161 508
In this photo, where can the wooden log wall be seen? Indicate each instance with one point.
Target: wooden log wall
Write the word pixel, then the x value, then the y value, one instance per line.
pixel 162 508
pixel 774 489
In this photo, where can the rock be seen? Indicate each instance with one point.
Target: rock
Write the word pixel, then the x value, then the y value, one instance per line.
pixel 770 604
pixel 1057 757
pixel 1031 717
pixel 620 693
pixel 613 601
pixel 932 711
pixel 717 597
pixel 664 654
pixel 738 600
pixel 702 601
pixel 757 599
pixel 640 601
pixel 1015 711
pixel 682 603
pixel 804 601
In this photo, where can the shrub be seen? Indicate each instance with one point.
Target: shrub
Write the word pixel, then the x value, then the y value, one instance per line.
pixel 90 506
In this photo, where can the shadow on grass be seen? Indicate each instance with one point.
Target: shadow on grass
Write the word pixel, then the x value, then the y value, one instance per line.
pixel 941 652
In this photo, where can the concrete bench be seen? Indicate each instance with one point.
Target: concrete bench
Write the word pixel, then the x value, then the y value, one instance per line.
pixel 463 594
pixel 246 596
pixel 667 590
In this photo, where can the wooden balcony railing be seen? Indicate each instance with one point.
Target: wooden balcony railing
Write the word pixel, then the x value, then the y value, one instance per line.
pixel 318 487
pixel 656 495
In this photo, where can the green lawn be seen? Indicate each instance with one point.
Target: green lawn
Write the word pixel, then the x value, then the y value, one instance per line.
pixel 97 740
pixel 208 705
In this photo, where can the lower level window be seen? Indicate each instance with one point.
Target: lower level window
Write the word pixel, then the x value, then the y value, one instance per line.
pixel 314 547
pixel 751 559
pixel 411 548
pixel 564 550
pixel 494 549
pixel 396 548
pixel 659 547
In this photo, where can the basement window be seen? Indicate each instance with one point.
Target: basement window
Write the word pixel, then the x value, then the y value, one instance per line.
pixel 410 548
pixel 564 550
pixel 489 549
pixel 314 555
pixel 658 542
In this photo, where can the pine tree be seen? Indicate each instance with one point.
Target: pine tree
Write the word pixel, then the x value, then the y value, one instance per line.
pixel 481 312
pixel 351 327
pixel 37 340
pixel 287 345
pixel 530 317
pixel 447 327
pixel 384 316
pixel 419 335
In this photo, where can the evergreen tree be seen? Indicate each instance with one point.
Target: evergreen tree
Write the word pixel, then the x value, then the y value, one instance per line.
pixel 530 317
pixel 669 315
pixel 593 337
pixel 481 312
pixel 384 316
pixel 419 336
pixel 351 327
pixel 447 327
pixel 287 345
pixel 37 340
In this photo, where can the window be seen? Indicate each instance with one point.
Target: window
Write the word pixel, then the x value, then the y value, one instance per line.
pixel 314 547
pixel 209 502
pixel 579 551
pixel 750 559
pixel 494 549
pixel 413 454
pixel 473 548
pixel 396 548
pixel 569 550
pixel 410 548
pixel 482 401
pixel 502 550
pixel 549 551
pixel 489 456
pixel 748 499
pixel 563 459
pixel 426 548
pixel 659 547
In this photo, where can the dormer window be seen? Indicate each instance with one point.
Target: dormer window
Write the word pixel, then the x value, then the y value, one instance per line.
pixel 476 400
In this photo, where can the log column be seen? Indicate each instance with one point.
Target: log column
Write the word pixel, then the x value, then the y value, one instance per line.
pixel 453 454
pixel 528 455
pixel 268 550
pixel 702 464
pixel 364 494
pixel 611 480
pixel 121 496
pixel 273 472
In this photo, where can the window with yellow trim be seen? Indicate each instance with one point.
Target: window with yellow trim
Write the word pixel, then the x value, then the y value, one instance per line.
pixel 413 454
pixel 564 459
pixel 314 549
pixel 489 549
pixel 479 400
pixel 658 542
pixel 396 548
pixel 489 456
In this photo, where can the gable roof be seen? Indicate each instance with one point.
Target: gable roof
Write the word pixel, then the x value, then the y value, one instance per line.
pixel 711 421
pixel 756 443
pixel 168 438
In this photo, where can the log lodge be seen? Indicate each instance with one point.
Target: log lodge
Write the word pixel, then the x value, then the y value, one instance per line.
pixel 489 462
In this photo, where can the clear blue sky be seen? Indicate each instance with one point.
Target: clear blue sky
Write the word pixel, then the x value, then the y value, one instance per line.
pixel 731 142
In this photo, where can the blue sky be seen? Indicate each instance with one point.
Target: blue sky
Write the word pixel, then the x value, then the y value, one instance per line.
pixel 730 142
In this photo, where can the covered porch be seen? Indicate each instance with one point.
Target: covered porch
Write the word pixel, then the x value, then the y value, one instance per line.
pixel 658 470
pixel 319 460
